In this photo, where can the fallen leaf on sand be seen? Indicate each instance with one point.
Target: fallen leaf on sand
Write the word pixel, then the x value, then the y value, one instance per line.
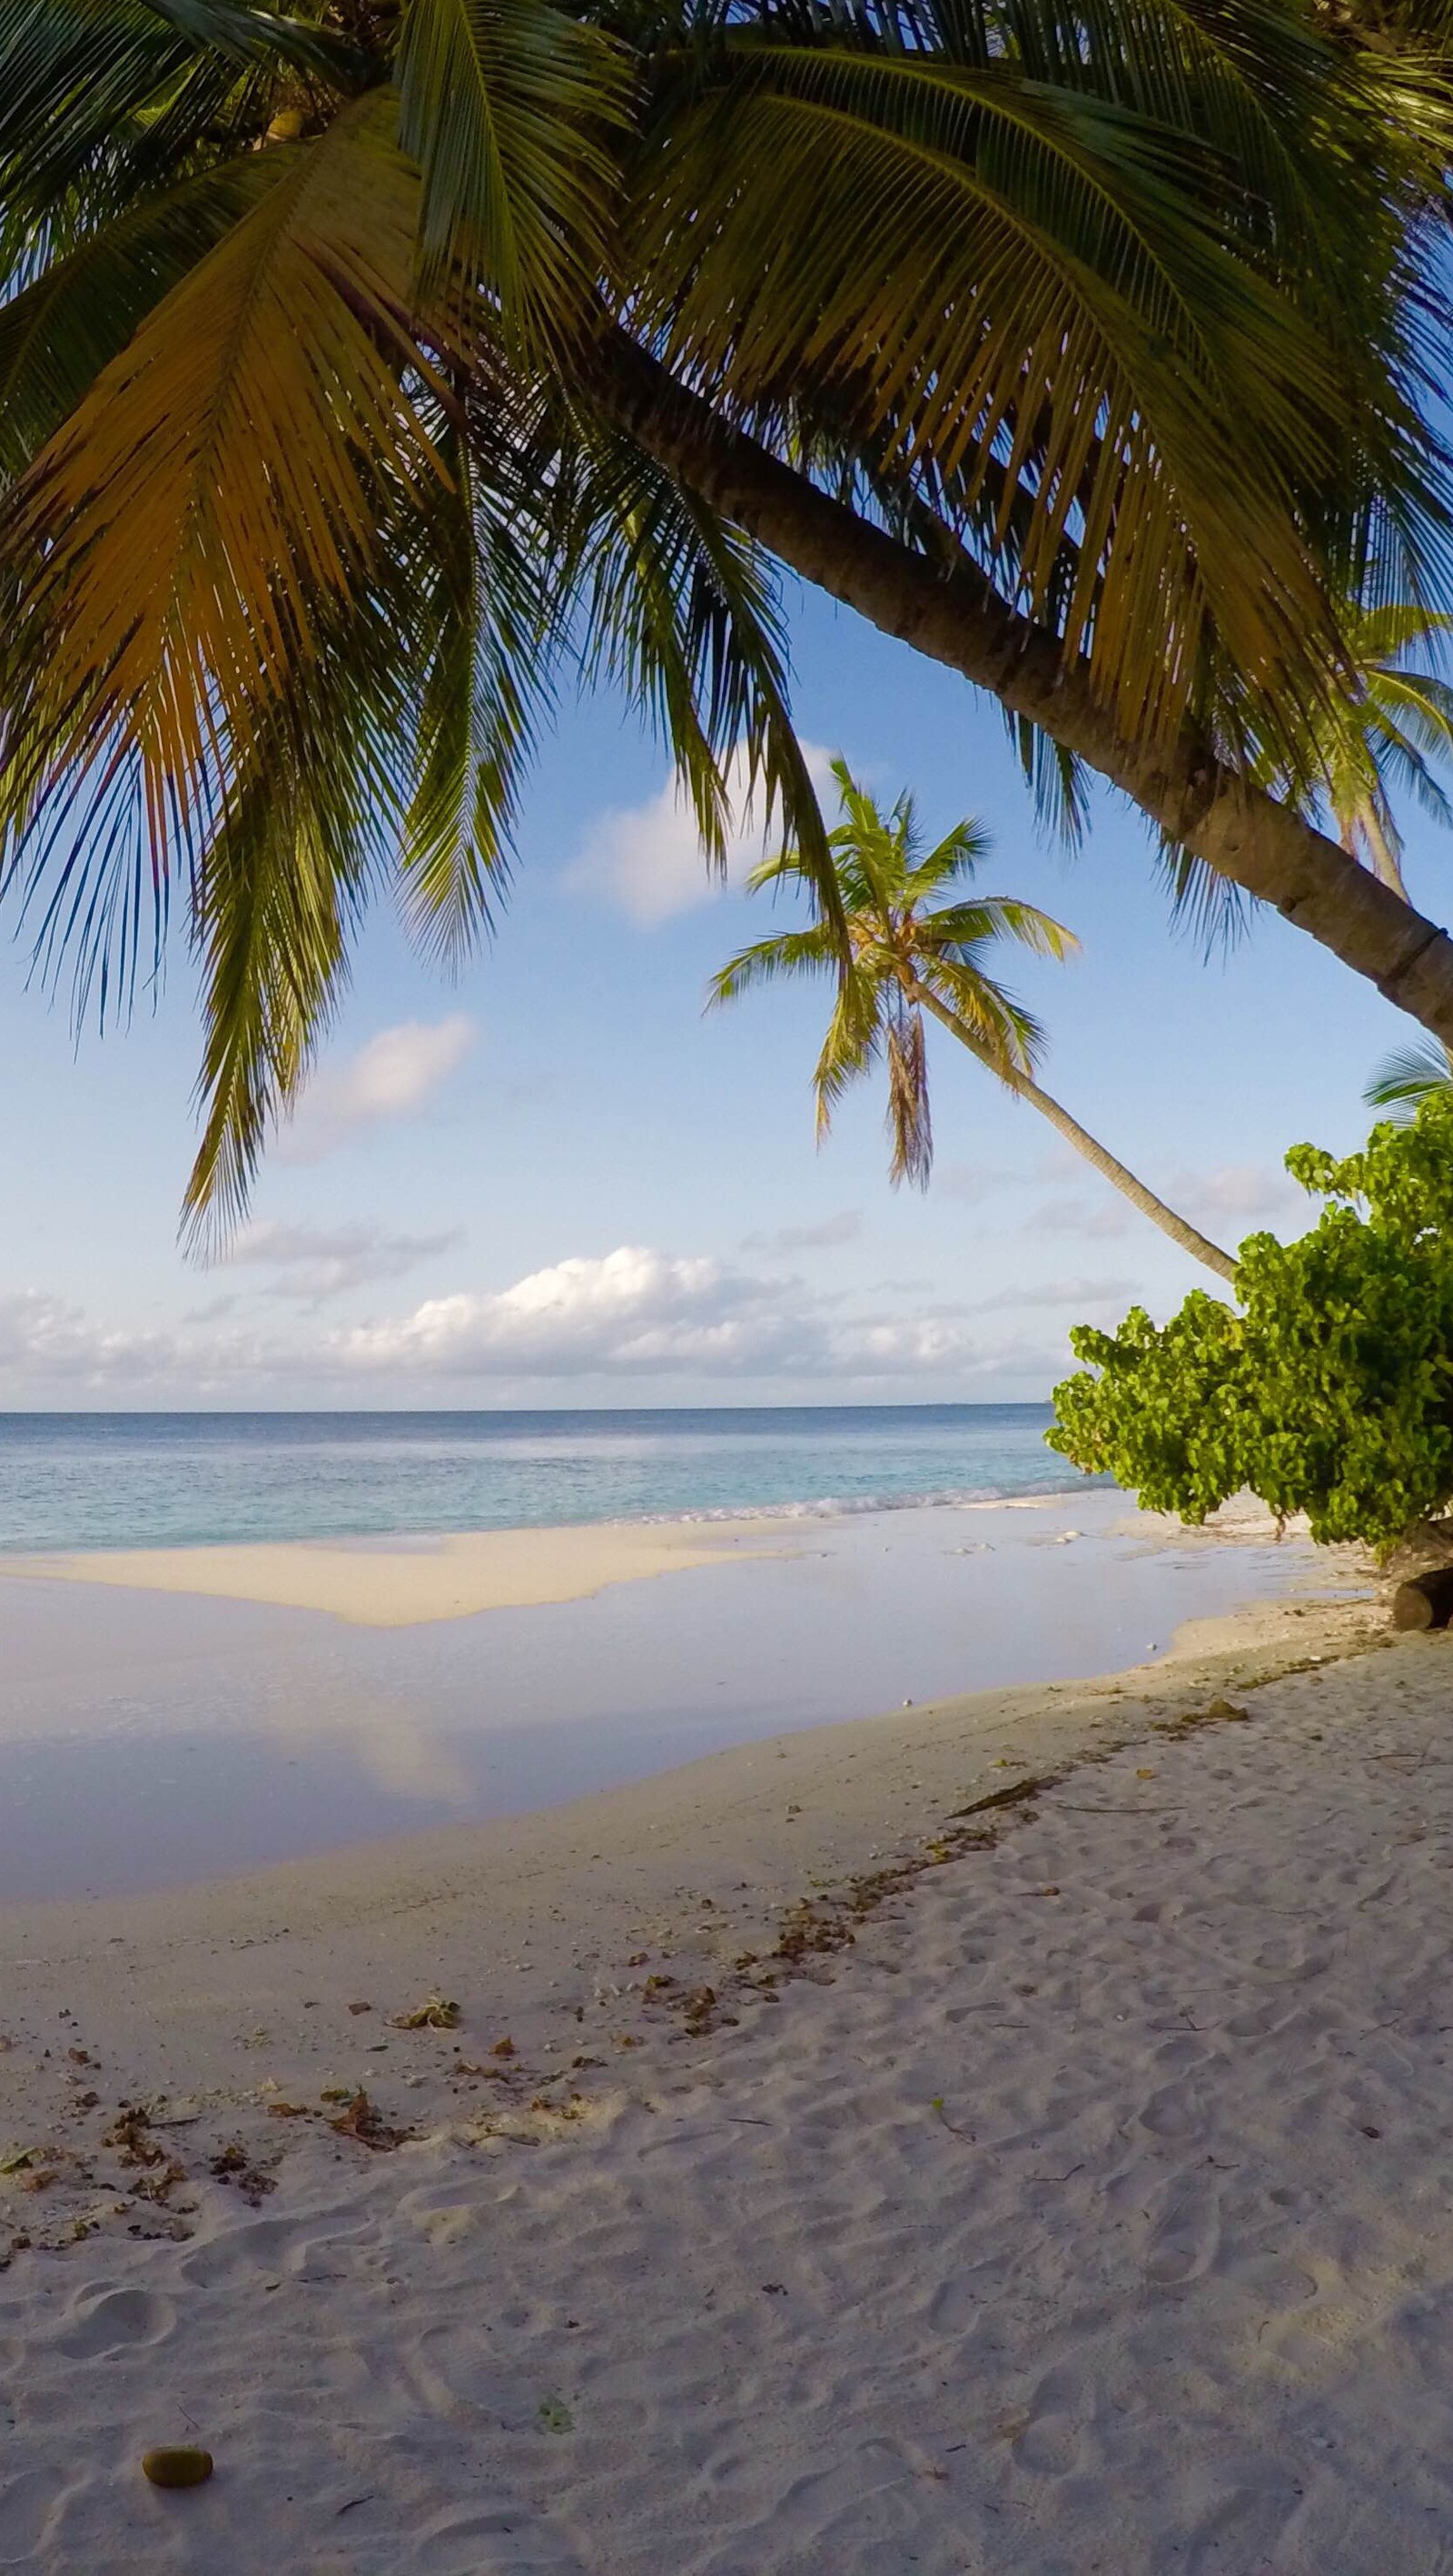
pixel 360 2008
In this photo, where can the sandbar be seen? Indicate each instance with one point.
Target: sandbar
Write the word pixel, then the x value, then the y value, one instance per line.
pixel 374 1583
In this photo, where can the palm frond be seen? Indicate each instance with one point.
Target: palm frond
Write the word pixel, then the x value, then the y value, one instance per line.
pixel 171 552
pixel 1007 1036
pixel 958 930
pixel 956 855
pixel 97 94
pixel 486 686
pixel 58 333
pixel 972 253
pixel 680 612
pixel 1057 781
pixel 853 1041
pixel 771 961
pixel 309 828
pixel 1409 1076
pixel 511 110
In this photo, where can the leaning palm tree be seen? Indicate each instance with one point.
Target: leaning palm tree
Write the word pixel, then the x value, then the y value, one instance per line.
pixel 368 371
pixel 912 951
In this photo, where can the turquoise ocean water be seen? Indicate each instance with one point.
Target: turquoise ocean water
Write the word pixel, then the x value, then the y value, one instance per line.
pixel 105 1480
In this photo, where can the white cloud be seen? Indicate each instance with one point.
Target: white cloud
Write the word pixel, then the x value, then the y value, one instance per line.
pixel 314 1263
pixel 845 1227
pixel 632 1309
pixel 395 1076
pixel 48 1346
pixel 639 1312
pixel 631 1317
pixel 45 1334
pixel 647 860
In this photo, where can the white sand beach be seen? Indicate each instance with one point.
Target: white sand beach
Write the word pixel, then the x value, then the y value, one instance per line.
pixel 830 2173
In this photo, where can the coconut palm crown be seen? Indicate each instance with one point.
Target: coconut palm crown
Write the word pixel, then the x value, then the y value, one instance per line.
pixel 371 370
pixel 912 954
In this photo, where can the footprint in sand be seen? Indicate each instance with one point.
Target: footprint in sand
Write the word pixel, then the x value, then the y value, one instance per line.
pixel 102 2320
pixel 1184 2240
pixel 27 2506
pixel 1057 2438
pixel 503 2536
pixel 265 2245
pixel 460 2378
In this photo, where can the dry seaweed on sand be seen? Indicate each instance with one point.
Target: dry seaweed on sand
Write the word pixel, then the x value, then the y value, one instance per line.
pixel 363 2121
pixel 436 2012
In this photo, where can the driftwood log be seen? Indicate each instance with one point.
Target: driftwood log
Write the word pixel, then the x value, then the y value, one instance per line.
pixel 1425 1602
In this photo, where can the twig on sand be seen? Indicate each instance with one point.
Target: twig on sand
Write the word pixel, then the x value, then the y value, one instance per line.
pixel 1003 1798
pixel 1078 1807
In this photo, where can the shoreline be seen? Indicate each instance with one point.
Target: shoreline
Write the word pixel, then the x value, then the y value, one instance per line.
pixel 213 2001
pixel 412 1578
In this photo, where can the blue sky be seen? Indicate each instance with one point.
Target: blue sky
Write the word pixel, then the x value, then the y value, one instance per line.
pixel 554 1182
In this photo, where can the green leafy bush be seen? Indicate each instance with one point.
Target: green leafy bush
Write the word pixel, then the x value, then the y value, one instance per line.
pixel 1330 1392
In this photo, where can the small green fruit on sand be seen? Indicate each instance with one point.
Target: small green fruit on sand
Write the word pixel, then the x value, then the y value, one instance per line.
pixel 177 2467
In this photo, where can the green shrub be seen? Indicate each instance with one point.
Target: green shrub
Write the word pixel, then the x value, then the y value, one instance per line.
pixel 1330 1392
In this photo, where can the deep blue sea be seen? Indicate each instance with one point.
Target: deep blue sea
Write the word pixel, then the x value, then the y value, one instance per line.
pixel 79 1480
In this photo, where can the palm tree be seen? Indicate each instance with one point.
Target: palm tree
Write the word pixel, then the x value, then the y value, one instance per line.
pixel 365 370
pixel 912 952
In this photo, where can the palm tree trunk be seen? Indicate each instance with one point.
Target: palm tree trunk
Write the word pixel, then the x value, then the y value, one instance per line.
pixel 1188 1236
pixel 950 611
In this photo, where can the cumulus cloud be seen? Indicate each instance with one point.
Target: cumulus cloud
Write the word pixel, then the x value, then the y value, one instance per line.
pixel 647 861
pixel 393 1077
pixel 631 1316
pixel 640 1312
pixel 50 1346
pixel 632 1309
pixel 312 1263
pixel 845 1227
